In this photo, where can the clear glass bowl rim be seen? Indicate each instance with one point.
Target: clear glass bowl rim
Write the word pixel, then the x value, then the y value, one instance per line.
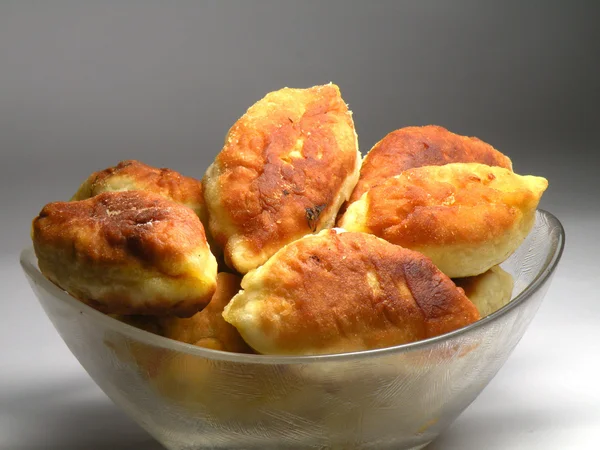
pixel 28 262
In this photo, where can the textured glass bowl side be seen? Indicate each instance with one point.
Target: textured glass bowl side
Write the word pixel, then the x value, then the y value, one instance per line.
pixel 398 398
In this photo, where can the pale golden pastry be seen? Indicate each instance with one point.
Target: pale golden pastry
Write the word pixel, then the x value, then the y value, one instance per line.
pixel 287 166
pixel 429 145
pixel 208 328
pixel 131 252
pixel 466 217
pixel 489 291
pixel 338 292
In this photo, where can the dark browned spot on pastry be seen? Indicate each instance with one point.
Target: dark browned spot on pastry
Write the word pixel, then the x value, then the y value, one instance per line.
pixel 312 216
pixel 429 145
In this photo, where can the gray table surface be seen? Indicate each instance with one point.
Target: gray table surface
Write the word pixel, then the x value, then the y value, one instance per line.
pixel 547 396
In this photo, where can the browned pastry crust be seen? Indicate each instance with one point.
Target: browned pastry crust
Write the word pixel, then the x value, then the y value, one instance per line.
pixel 429 145
pixel 338 292
pixel 134 175
pixel 131 175
pixel 286 167
pixel 466 217
pixel 130 252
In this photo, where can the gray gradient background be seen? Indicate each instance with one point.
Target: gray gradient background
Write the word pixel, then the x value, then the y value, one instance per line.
pixel 84 86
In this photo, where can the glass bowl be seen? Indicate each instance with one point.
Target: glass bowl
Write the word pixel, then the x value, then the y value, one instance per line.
pixel 398 398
